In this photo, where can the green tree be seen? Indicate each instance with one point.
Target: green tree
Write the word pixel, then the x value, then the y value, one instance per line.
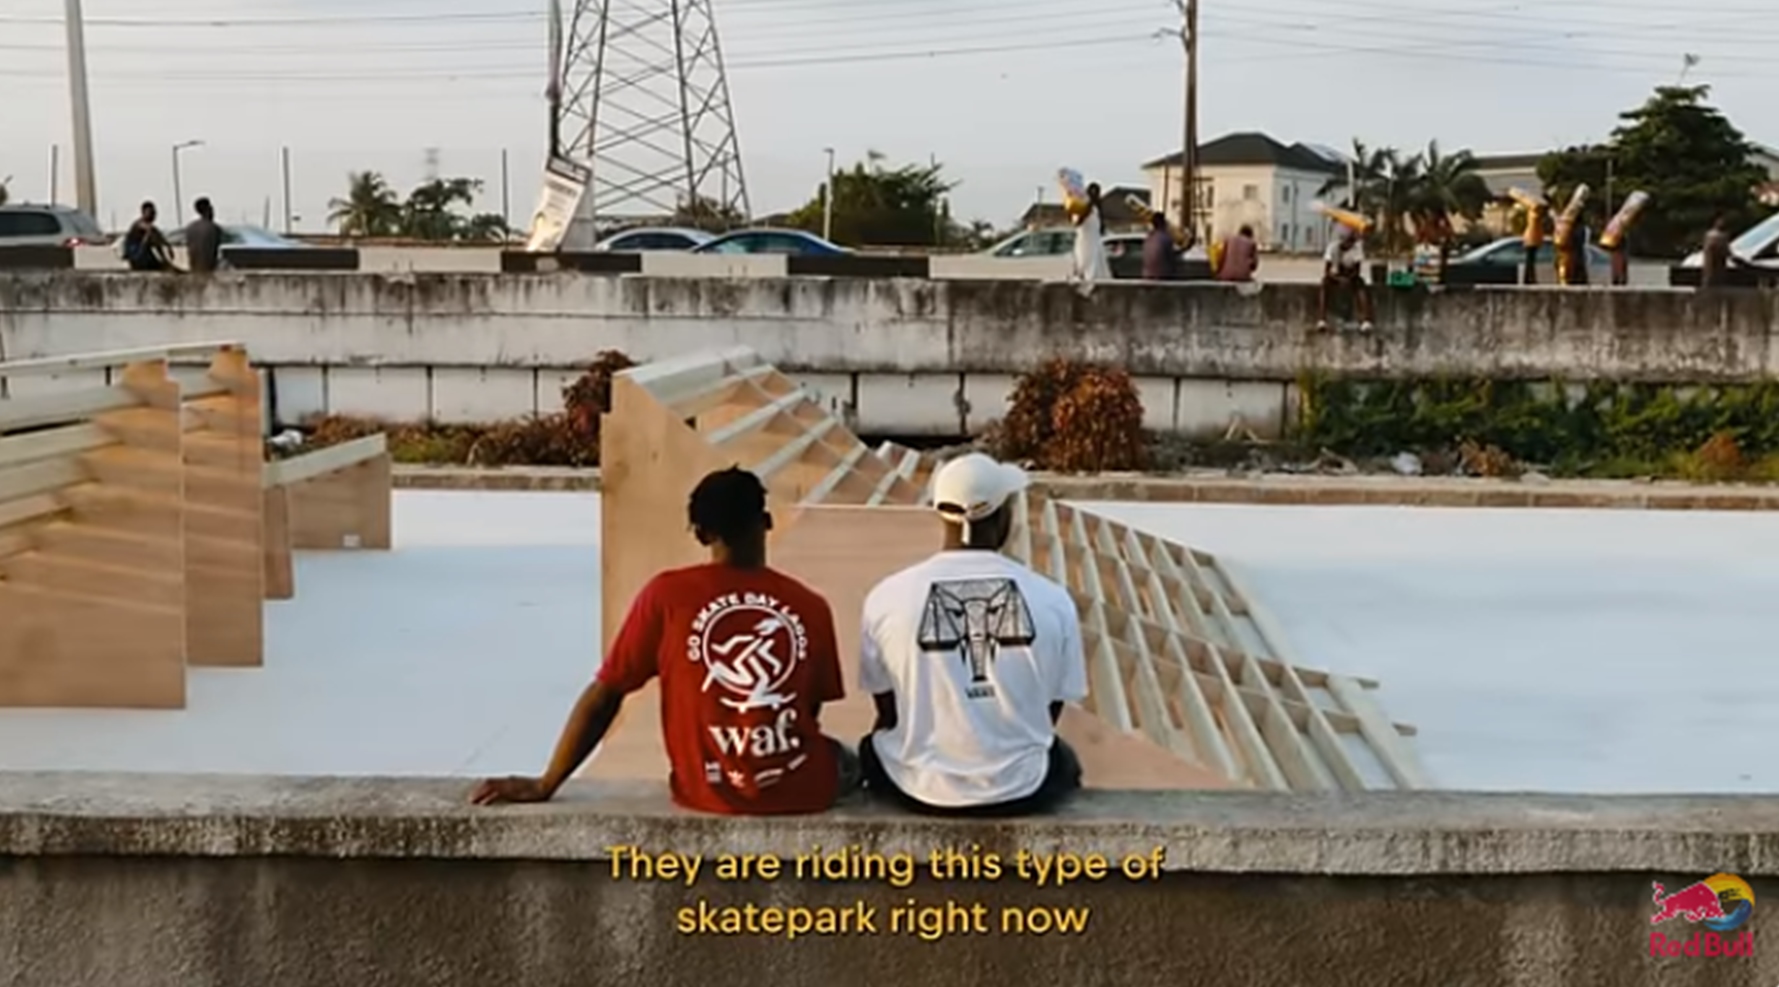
pixel 1686 154
pixel 370 207
pixel 875 204
pixel 429 212
pixel 1448 187
pixel 5 193
pixel 1384 188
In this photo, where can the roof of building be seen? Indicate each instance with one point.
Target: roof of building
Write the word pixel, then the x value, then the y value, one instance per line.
pixel 1116 210
pixel 1509 162
pixel 1253 148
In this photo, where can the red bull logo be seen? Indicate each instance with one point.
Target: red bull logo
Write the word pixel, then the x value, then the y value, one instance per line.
pixel 1722 903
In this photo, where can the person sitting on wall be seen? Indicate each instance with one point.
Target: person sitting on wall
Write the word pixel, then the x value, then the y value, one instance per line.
pixel 746 655
pixel 1241 257
pixel 970 657
pixel 1342 270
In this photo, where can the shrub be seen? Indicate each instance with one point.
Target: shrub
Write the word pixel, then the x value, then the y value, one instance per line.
pixel 1097 425
pixel 591 396
pixel 1026 432
pixel 547 440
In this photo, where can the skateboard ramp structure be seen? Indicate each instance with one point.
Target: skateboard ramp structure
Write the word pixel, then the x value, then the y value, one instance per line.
pixel 133 542
pixel 1192 685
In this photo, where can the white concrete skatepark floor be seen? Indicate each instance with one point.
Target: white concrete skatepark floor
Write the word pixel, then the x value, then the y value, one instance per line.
pixel 1574 651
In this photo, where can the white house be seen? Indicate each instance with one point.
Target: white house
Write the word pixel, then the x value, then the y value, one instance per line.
pixel 1250 179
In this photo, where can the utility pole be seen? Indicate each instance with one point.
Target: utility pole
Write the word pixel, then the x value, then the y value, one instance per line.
pixel 179 192
pixel 828 199
pixel 86 188
pixel 1189 146
pixel 284 174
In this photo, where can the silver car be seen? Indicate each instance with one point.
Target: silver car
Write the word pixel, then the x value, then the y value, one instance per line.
pixel 25 225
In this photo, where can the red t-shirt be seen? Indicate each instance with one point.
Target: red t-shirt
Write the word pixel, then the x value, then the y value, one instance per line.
pixel 746 659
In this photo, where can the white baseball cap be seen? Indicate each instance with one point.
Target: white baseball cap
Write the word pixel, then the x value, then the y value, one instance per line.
pixel 973 487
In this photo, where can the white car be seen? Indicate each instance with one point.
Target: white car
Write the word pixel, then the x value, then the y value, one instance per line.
pixel 24 225
pixel 1759 246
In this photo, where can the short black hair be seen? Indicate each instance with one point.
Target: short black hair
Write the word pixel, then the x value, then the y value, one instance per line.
pixel 728 505
pixel 202 205
pixel 1158 221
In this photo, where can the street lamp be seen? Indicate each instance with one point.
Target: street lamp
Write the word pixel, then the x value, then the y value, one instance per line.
pixel 179 194
pixel 828 199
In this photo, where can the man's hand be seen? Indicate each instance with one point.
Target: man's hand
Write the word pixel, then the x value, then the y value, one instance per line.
pixel 496 791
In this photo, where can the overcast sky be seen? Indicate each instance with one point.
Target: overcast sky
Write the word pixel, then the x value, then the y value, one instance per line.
pixel 1002 92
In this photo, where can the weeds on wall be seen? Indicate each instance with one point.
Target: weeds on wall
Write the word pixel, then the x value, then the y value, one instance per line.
pixel 1073 417
pixel 1597 429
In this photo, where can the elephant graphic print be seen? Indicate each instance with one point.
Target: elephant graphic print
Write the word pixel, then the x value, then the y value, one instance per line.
pixel 746 658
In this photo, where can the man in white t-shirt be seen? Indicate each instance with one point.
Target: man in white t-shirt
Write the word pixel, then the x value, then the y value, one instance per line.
pixel 970 657
pixel 1343 269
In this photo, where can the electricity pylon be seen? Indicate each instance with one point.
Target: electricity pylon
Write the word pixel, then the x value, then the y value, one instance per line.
pixel 641 98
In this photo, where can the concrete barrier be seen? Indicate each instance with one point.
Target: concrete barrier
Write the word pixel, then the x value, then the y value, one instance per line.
pixel 899 356
pixel 167 881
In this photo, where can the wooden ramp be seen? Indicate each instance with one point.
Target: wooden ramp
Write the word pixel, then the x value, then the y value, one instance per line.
pixel 130 527
pixel 1190 685
pixel 340 497
pixel 141 530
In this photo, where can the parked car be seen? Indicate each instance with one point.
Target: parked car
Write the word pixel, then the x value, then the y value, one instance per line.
pixel 1050 242
pixel 25 225
pixel 1124 251
pixel 795 243
pixel 244 236
pixel 1758 245
pixel 1510 252
pixel 653 238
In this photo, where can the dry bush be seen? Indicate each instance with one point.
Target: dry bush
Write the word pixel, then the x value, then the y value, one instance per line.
pixel 1097 425
pixel 1719 460
pixel 1487 460
pixel 332 430
pixel 1026 432
pixel 591 396
pixel 548 440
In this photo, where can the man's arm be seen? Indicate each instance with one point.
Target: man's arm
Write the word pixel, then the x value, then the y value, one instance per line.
pixel 588 722
pixel 633 660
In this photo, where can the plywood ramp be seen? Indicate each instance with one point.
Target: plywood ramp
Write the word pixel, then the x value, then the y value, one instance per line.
pixel 838 528
pixel 92 546
pixel 339 497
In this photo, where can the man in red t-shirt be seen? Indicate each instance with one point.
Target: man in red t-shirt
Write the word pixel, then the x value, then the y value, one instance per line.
pixel 746 655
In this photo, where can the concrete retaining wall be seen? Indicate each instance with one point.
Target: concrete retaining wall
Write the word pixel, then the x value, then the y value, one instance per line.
pixel 905 356
pixel 176 881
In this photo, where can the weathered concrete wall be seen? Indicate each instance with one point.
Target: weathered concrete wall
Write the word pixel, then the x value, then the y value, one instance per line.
pixel 173 881
pixel 905 355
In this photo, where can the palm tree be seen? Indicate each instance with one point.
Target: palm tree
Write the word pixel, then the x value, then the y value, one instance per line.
pixel 1449 186
pixel 370 208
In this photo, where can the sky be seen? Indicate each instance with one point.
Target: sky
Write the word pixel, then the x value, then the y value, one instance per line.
pixel 1002 93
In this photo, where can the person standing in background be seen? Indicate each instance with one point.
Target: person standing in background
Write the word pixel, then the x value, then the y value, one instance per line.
pixel 1161 256
pixel 1717 256
pixel 203 239
pixel 1090 264
pixel 1241 257
pixel 1533 240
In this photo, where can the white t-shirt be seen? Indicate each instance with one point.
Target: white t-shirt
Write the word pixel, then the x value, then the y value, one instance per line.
pixel 1353 256
pixel 975 648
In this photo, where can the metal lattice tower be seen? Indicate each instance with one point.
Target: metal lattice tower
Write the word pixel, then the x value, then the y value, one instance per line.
pixel 645 103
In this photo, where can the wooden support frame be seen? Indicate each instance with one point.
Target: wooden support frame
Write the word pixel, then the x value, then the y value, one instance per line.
pixel 1178 654
pixel 340 497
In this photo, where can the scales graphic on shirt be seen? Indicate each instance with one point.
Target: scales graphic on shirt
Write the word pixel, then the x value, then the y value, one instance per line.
pixel 975 618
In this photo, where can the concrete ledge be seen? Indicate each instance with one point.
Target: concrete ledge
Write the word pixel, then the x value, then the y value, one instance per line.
pixel 58 814
pixel 1306 491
